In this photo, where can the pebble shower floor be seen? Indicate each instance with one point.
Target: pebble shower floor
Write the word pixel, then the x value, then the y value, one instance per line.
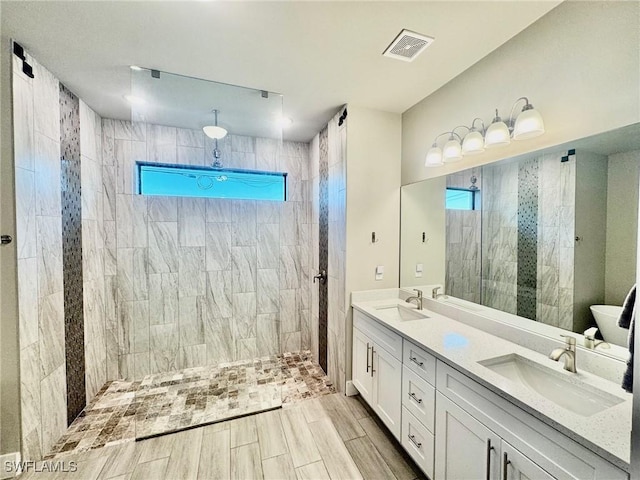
pixel 123 411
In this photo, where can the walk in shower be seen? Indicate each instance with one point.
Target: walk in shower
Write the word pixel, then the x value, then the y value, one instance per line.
pixel 165 309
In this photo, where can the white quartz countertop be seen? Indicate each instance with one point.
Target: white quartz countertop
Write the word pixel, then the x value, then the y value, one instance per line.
pixel 606 433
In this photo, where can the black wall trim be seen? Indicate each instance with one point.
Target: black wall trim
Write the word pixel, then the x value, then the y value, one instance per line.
pixel 18 51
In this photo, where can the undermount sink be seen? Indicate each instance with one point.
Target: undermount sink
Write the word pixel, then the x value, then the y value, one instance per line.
pixel 567 393
pixel 400 313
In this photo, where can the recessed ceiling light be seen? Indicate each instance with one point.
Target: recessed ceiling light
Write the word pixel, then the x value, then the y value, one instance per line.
pixel 136 68
pixel 133 100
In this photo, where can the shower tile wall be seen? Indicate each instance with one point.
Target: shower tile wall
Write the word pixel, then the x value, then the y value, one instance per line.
pixel 314 183
pixel 528 239
pixel 556 227
pixel 337 308
pixel 72 252
pixel 553 221
pixel 500 236
pixel 463 252
pixel 93 240
pixel 40 266
pixel 191 281
pixel 323 243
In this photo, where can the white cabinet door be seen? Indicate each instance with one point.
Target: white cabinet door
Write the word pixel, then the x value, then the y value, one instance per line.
pixel 464 448
pixel 515 466
pixel 387 389
pixel 361 365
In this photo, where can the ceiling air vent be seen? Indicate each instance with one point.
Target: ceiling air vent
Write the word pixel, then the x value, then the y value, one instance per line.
pixel 407 45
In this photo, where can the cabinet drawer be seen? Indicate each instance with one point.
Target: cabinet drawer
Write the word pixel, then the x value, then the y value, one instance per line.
pixel 419 361
pixel 418 442
pixel 384 337
pixel 551 450
pixel 418 397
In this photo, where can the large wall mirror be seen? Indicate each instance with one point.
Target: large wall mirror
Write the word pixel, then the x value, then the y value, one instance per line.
pixel 543 236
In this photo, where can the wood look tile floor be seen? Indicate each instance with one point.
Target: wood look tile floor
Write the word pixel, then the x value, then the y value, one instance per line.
pixel 330 437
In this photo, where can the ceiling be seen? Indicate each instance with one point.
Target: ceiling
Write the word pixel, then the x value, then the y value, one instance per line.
pixel 319 55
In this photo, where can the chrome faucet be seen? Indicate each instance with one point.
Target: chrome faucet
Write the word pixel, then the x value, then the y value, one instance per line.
pixel 435 295
pixel 569 352
pixel 417 298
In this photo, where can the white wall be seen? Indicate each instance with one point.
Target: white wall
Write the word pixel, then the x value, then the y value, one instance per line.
pixel 579 65
pixel 423 210
pixel 372 205
pixel 373 198
pixel 622 214
pixel 590 226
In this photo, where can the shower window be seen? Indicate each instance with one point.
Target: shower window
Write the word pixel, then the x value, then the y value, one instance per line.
pixel 461 199
pixel 189 181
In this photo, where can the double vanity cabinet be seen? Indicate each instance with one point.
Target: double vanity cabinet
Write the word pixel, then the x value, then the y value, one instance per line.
pixel 452 426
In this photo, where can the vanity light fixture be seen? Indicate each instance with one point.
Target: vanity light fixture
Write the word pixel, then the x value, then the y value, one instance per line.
pixel 214 131
pixel 452 150
pixel 434 155
pixel 497 134
pixel 527 124
pixel 449 153
pixel 473 142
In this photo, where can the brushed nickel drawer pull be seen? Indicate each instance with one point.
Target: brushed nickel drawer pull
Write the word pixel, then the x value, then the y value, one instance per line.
pixel 490 448
pixel 368 366
pixel 372 352
pixel 505 463
pixel 414 398
pixel 414 441
pixel 415 360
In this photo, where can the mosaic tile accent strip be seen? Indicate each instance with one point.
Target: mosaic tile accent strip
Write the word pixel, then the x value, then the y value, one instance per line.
pixel 163 403
pixel 527 238
pixel 72 252
pixel 324 245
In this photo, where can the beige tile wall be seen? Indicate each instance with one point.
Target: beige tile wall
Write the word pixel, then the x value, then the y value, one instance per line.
pixel 194 281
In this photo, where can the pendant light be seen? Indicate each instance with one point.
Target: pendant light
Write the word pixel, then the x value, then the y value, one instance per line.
pixel 214 131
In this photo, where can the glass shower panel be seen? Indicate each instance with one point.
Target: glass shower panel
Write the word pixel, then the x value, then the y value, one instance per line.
pixel 198 344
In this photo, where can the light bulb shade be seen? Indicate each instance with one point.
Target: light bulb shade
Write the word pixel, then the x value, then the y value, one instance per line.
pixel 497 135
pixel 452 151
pixel 214 131
pixel 434 158
pixel 529 124
pixel 473 143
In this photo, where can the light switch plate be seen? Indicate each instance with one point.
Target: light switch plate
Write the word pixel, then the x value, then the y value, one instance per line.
pixel 379 272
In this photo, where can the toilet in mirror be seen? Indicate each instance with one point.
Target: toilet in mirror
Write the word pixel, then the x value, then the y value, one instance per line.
pixel 547 239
